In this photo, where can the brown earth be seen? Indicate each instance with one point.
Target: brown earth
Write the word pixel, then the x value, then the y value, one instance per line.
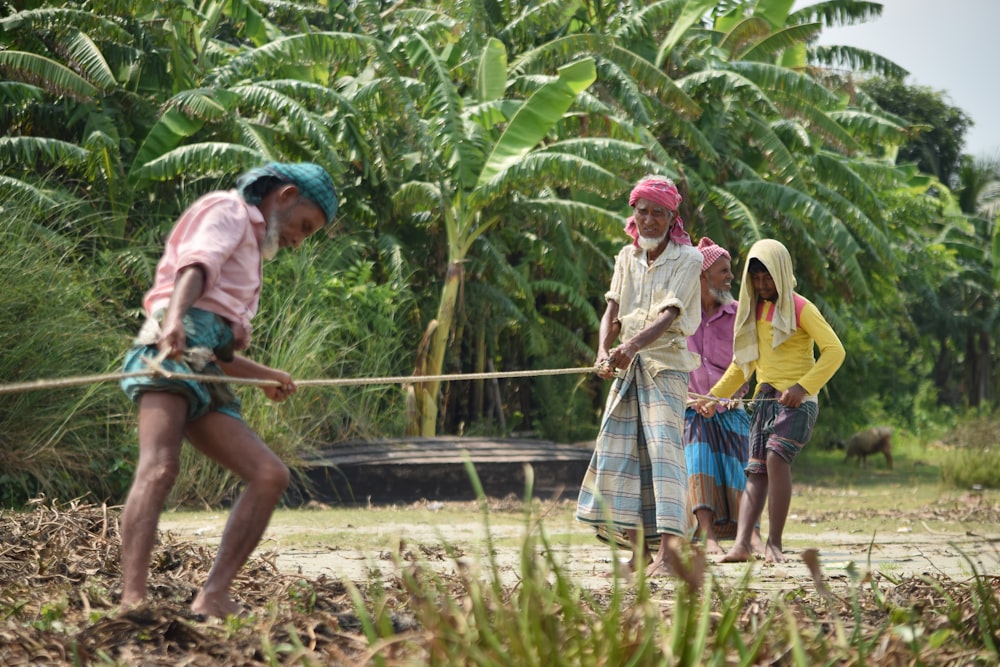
pixel 59 577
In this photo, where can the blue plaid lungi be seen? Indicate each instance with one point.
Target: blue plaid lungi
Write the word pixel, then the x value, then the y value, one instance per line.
pixel 716 453
pixel 637 476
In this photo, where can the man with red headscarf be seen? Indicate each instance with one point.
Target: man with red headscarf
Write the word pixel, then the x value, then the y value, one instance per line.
pixel 637 479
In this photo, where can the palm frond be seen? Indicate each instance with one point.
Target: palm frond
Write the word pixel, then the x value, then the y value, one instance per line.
pixel 576 214
pixel 82 51
pixel 784 168
pixel 722 84
pixel 819 122
pixel 46 73
pixel 554 169
pixel 776 79
pixel 781 40
pixel 837 13
pixel 57 18
pixel 543 17
pixel 418 196
pixel 857 60
pixel 32 150
pixel 537 116
pixel 871 129
pixel 860 225
pixel 316 48
pixel 199 160
pixel 747 32
pixel 740 216
pixel 169 131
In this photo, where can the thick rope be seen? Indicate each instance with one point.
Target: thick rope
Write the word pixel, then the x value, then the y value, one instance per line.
pixel 156 369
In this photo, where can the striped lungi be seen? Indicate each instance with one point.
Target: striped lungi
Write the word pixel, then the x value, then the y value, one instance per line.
pixel 637 476
pixel 716 454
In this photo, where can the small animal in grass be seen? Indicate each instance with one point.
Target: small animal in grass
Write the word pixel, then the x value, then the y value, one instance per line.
pixel 870 441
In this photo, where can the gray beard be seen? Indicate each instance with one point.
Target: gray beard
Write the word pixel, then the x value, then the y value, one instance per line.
pixel 647 243
pixel 269 246
pixel 721 296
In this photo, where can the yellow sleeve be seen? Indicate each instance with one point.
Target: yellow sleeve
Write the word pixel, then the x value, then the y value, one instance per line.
pixel 831 350
pixel 729 383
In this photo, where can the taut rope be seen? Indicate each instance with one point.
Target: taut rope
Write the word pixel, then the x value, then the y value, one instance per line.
pixel 155 368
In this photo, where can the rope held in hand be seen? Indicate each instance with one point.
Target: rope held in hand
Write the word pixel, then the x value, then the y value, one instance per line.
pixel 156 369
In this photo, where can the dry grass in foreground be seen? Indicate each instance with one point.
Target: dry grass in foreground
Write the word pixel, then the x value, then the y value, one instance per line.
pixel 59 582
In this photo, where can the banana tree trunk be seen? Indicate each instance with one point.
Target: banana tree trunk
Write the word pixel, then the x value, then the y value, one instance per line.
pixel 439 345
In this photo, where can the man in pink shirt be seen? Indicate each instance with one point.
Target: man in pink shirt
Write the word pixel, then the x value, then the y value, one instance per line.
pixel 205 294
pixel 715 448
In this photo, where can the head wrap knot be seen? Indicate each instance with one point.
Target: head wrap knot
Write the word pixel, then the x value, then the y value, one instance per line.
pixel 711 252
pixel 659 190
pixel 312 180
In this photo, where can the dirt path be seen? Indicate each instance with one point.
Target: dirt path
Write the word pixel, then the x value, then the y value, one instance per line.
pixel 902 547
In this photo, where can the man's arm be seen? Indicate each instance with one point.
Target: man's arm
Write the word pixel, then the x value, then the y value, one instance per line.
pixel 611 326
pixel 621 356
pixel 188 286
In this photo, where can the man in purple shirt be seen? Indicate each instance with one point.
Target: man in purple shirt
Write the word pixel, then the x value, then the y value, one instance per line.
pixel 204 295
pixel 716 448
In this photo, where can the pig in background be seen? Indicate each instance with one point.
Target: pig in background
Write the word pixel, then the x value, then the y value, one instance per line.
pixel 874 440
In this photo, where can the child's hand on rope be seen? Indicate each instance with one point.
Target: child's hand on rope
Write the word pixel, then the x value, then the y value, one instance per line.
pixel 706 407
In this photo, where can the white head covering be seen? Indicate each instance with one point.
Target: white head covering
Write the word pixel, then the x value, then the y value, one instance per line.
pixel 775 257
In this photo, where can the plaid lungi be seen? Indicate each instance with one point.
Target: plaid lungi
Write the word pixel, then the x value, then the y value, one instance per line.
pixel 637 476
pixel 716 452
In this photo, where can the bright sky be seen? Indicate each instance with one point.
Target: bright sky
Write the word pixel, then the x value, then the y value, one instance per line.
pixel 952 47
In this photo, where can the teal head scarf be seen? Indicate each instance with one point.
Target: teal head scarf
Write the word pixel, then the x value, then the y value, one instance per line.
pixel 312 180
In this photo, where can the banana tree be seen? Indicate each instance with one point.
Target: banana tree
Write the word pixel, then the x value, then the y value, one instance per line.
pixel 471 181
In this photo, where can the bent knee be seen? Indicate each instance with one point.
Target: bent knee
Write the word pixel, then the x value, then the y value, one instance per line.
pixel 161 474
pixel 274 475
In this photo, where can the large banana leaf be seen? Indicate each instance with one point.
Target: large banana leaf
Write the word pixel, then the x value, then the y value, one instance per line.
pixel 538 116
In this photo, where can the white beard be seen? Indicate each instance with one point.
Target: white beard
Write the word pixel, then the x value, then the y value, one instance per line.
pixel 722 296
pixel 269 246
pixel 647 243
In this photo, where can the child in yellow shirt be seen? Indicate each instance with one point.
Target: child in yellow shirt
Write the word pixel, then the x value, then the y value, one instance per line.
pixel 775 333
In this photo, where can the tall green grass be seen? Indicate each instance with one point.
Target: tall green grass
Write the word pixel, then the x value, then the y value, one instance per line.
pixel 56 322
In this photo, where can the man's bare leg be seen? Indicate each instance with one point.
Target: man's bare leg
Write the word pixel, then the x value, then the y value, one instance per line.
pixel 751 507
pixel 779 500
pixel 232 444
pixel 162 417
pixel 706 530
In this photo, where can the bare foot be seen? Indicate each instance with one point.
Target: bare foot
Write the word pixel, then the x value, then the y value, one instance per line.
pixel 773 553
pixel 217 605
pixel 712 547
pixel 757 544
pixel 130 603
pixel 738 554
pixel 658 568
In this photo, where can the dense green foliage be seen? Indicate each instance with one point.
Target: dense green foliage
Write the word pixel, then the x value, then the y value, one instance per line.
pixel 484 152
